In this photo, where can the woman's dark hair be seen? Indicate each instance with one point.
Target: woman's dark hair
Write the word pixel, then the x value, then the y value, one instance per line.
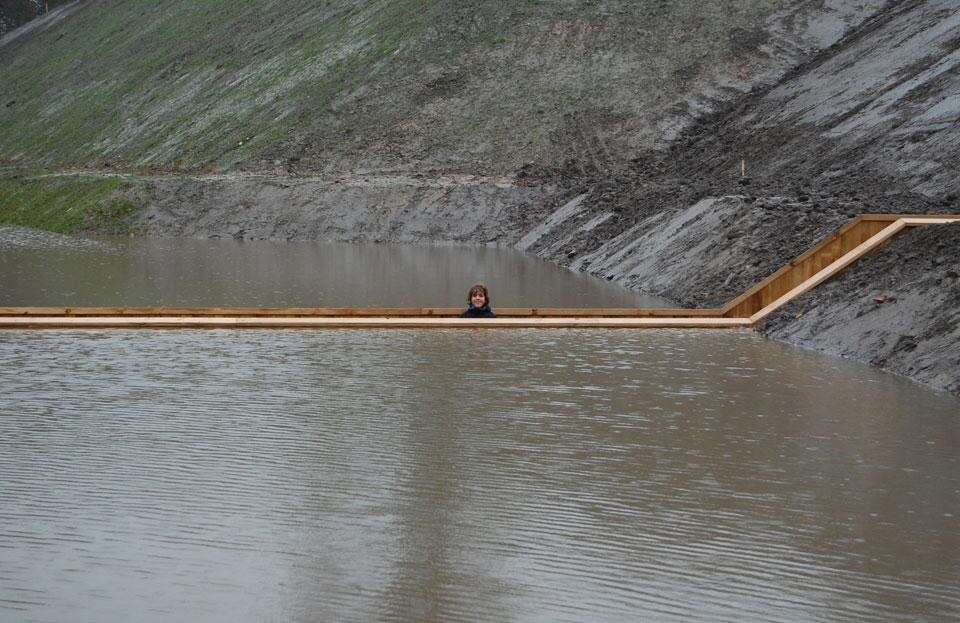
pixel 482 289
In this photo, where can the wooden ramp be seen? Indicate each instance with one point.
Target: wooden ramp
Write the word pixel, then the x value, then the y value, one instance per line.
pixel 835 253
pixel 861 236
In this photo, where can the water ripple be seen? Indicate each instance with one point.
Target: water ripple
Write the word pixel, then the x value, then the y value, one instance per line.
pixel 447 475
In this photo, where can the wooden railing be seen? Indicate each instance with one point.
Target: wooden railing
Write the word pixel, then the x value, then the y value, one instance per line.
pixel 357 312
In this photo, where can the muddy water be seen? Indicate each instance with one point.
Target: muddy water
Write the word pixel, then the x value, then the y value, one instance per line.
pixel 473 475
pixel 45 269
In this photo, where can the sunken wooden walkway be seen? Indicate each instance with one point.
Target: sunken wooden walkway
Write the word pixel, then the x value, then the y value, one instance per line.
pixel 861 236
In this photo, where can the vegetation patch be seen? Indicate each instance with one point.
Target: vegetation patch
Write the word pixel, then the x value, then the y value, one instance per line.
pixel 434 84
pixel 65 203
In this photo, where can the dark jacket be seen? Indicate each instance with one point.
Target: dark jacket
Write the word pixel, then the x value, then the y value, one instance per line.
pixel 478 312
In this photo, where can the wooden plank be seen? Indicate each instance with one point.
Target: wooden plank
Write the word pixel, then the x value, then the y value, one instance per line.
pixel 844 230
pixel 943 219
pixel 896 217
pixel 226 311
pixel 852 256
pixel 320 322
pixel 820 256
pixel 247 311
pixel 729 309
pixel 629 312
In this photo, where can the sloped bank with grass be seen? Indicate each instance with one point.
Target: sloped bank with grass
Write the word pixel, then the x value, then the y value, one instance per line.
pixel 66 203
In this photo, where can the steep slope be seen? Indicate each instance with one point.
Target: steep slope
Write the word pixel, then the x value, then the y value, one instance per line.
pixel 899 310
pixel 347 86
pixel 870 125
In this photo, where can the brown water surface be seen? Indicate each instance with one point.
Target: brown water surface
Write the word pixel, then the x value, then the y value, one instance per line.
pixel 468 475
pixel 40 269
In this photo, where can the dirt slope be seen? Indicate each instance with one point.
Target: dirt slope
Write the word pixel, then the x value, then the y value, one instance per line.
pixel 869 125
pixel 899 309
pixel 344 86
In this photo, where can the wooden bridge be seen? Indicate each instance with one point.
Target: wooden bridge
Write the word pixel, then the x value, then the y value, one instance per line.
pixel 861 236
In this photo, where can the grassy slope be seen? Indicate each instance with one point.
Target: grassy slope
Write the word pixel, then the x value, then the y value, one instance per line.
pixel 146 82
pixel 341 85
pixel 63 203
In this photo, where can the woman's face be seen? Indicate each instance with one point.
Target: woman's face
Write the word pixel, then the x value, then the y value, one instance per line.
pixel 477 299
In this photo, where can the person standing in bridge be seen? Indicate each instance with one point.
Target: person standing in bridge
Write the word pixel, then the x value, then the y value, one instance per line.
pixel 478 303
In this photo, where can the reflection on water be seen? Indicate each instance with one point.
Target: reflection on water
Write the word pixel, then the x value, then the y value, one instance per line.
pixel 478 475
pixel 45 269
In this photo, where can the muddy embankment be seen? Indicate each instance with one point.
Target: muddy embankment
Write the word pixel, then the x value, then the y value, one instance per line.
pixel 902 306
pixel 868 125
pixel 370 208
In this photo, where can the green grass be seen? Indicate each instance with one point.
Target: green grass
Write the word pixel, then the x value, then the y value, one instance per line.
pixel 230 83
pixel 118 80
pixel 64 203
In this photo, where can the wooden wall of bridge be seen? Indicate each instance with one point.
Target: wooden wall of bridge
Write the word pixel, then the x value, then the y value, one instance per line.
pixel 819 257
pixel 865 234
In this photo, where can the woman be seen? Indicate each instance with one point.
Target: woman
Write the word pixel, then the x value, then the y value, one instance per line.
pixel 478 303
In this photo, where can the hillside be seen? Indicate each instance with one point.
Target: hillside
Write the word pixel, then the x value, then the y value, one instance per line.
pixel 868 125
pixel 394 85
pixel 606 135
